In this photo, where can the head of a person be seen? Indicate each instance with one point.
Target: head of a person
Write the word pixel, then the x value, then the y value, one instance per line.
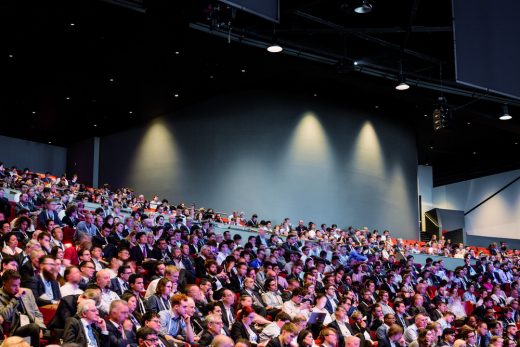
pixel 352 341
pixel 11 282
pixel 395 332
pixel 246 315
pixel 102 278
pixel 305 338
pixel 214 323
pixel 329 335
pixel 222 341
pixel 147 337
pixel 288 332
pixel 420 321
pixel 87 310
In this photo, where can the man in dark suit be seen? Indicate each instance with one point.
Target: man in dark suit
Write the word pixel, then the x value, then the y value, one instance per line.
pixel 45 288
pixel 438 312
pixel 49 213
pixel 214 325
pixel 152 320
pixel 139 252
pixel 136 284
pixel 389 286
pixel 204 254
pixel 237 279
pixel 87 329
pixel 5 206
pixel 119 284
pixel 118 313
pixel 188 264
pixel 288 332
pixel 340 322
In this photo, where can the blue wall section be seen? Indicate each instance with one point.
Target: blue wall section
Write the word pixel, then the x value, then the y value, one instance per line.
pixel 277 155
pixel 38 157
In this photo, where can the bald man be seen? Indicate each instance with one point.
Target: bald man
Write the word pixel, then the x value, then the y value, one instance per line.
pixel 107 295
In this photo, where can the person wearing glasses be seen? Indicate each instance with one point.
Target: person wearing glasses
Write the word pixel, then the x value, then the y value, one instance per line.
pixel 86 328
pixel 214 327
pixel 328 338
pixel 470 336
pixel 147 337
pixel 152 320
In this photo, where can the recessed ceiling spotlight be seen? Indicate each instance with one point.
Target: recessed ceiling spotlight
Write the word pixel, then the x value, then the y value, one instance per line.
pixel 426 115
pixel 11 56
pixel 111 80
pixel 95 125
pixel 315 95
pixel 177 95
pixel 33 112
pixel 49 142
pixel 177 52
pixel 211 76
pixel 516 143
pixel 468 123
pixel 377 107
pixel 431 147
pixel 72 24
pixel 474 153
pixel 243 70
pixel 130 112
pixel 67 98
pixel 356 63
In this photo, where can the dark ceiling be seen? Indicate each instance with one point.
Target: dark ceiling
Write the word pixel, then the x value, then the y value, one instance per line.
pixel 77 69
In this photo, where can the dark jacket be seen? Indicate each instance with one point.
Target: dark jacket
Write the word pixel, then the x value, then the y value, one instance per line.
pixel 341 338
pixel 116 338
pixel 75 333
pixel 35 283
pixel 67 307
pixel 239 331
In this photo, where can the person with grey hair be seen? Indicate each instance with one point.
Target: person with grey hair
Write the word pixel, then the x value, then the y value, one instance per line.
pixel 117 315
pixel 222 341
pixel 214 327
pixel 88 329
pixel 352 341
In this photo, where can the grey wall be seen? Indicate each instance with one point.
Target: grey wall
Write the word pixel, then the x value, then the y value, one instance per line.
pixel 277 155
pixel 80 161
pixel 38 157
pixel 498 217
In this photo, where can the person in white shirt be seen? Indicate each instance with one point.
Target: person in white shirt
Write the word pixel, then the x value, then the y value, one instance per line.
pixel 107 295
pixel 295 306
pixel 273 329
pixel 73 278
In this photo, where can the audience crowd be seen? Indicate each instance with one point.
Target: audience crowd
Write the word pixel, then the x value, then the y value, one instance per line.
pixel 166 275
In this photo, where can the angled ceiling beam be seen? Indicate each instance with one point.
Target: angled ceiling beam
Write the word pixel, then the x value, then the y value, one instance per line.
pixel 367 37
pixel 382 30
pixel 296 50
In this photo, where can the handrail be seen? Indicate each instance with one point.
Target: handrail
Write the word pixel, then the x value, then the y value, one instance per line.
pixel 492 195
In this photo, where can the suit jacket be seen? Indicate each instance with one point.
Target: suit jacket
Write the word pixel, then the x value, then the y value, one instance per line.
pixel 190 269
pixel 115 286
pixel 35 283
pixel 75 333
pixel 239 331
pixel 435 315
pixel 9 305
pixel 383 342
pixel 225 318
pixel 205 338
pixel 67 307
pixel 43 217
pixel 329 307
pixel 200 270
pixel 136 254
pixel 341 338
pixel 116 338
pixel 276 343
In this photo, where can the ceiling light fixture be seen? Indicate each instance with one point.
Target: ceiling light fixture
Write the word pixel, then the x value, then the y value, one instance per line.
pixel 366 7
pixel 505 113
pixel 402 81
pixel 274 47
pixel 402 84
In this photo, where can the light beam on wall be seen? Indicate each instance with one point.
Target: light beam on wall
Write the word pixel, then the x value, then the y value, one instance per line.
pixel 368 154
pixel 309 144
pixel 157 156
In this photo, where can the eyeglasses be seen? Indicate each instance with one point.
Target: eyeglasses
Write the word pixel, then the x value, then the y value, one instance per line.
pixel 470 336
pixel 152 340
